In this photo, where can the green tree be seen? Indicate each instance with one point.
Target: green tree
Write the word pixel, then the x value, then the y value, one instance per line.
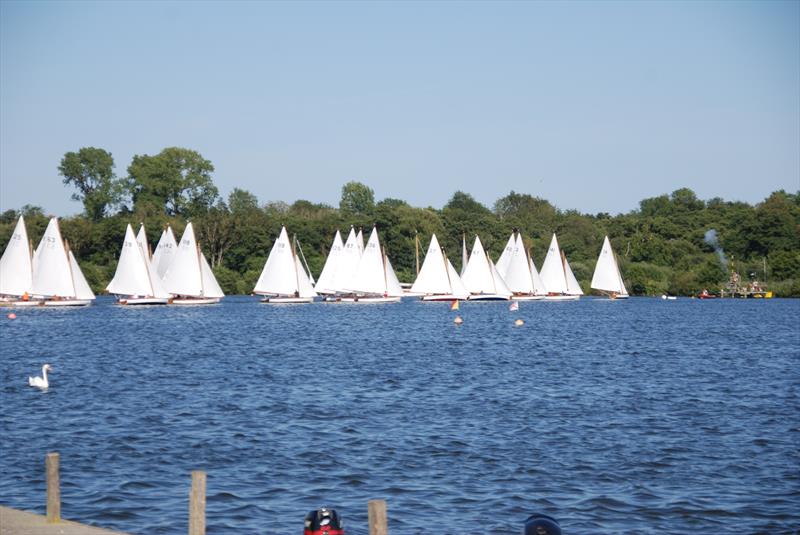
pixel 357 198
pixel 91 171
pixel 176 181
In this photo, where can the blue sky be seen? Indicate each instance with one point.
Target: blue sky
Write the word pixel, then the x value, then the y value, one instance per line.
pixel 591 105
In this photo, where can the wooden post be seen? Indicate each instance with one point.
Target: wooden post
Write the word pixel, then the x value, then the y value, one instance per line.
pixel 197 504
pixel 53 489
pixel 377 517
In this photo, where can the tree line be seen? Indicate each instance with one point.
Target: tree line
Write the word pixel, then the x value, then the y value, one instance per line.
pixel 663 246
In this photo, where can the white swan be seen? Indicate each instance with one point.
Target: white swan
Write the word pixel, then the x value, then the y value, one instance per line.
pixel 41 382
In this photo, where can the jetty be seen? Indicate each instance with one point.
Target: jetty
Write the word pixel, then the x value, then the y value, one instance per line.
pixel 16 522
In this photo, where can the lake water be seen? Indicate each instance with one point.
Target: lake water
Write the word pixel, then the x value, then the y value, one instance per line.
pixel 644 416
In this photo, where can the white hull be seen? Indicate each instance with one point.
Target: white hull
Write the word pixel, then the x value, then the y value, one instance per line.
pixel 562 297
pixel 195 300
pixel 442 297
pixel 527 297
pixel 488 297
pixel 369 300
pixel 68 303
pixel 143 301
pixel 22 304
pixel 287 300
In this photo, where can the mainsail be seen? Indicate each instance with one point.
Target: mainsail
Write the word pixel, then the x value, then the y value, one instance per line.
pixel 481 276
pixel 189 273
pixel 16 270
pixel 552 273
pixel 283 273
pixel 607 276
pixel 374 274
pixel 165 252
pixel 435 277
pixel 325 284
pixel 52 276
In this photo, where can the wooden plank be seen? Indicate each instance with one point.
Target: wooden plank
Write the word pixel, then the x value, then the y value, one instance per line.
pixel 197 504
pixel 376 512
pixel 53 488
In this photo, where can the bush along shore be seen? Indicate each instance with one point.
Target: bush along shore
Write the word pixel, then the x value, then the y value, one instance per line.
pixel 672 244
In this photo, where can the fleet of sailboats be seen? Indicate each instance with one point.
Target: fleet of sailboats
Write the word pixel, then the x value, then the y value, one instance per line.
pixel 178 272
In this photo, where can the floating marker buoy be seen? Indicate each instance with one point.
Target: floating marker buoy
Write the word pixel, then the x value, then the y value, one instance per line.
pixel 519 323
pixel 12 316
pixel 458 320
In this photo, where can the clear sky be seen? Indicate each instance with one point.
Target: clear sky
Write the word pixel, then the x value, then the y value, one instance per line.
pixel 591 105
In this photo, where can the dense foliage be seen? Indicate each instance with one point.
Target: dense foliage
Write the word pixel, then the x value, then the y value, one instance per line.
pixel 673 243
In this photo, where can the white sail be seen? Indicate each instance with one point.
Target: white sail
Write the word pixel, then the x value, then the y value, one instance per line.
pixel 360 241
pixel 52 277
pixel 464 256
pixel 82 288
pixel 280 275
pixel 573 288
pixel 183 276
pixel 393 288
pixel 131 276
pixel 165 252
pixel 211 287
pixel 141 239
pixel 607 276
pixel 370 274
pixel 458 290
pixel 552 273
pixel 347 265
pixel 518 274
pixel 432 278
pixel 16 270
pixel 505 258
pixel 304 285
pixel 325 284
pixel 538 286
pixel 481 276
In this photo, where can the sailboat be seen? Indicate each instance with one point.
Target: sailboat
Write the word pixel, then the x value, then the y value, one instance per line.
pixel 340 268
pixel 607 277
pixel 189 277
pixel 517 269
pixel 481 278
pixel 374 280
pixel 557 276
pixel 437 279
pixel 283 279
pixel 325 284
pixel 165 252
pixel 56 274
pixel 16 270
pixel 135 281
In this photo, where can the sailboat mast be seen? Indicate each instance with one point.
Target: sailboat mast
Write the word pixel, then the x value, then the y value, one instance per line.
pixel 200 268
pixel 416 250
pixel 294 263
pixel 303 258
pixel 491 274
pixel 385 276
pixel 447 271
pixel 71 278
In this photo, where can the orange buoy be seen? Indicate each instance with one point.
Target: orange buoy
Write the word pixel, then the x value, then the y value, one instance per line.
pixel 519 323
pixel 458 320
pixel 12 316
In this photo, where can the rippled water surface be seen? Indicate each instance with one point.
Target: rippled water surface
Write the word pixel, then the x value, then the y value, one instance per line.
pixel 642 416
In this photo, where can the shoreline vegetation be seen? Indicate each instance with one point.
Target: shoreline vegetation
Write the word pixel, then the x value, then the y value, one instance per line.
pixel 672 244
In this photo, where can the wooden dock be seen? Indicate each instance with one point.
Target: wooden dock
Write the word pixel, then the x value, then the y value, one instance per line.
pixel 13 522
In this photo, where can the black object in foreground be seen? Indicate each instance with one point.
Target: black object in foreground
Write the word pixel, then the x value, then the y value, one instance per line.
pixel 539 524
pixel 323 521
